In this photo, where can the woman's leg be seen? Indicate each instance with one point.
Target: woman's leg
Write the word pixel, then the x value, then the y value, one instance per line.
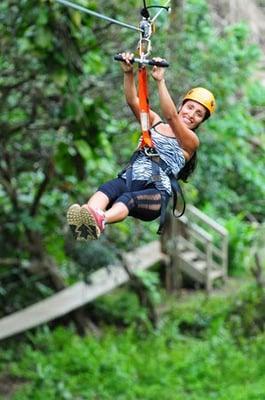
pixel 118 212
pixel 88 221
pixel 144 204
pixel 112 203
pixel 98 200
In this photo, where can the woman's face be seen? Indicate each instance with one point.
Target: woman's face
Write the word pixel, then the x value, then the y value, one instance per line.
pixel 192 113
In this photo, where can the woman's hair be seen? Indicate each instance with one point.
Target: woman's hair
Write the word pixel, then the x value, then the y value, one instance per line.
pixel 191 164
pixel 188 168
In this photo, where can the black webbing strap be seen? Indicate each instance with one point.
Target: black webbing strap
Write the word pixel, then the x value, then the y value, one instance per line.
pixel 128 170
pixel 175 186
pixel 155 178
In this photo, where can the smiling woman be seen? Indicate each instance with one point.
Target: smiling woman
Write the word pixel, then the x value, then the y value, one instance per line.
pixel 142 190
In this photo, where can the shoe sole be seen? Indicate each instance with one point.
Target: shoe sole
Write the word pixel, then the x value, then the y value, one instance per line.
pixel 82 223
pixel 74 219
pixel 89 229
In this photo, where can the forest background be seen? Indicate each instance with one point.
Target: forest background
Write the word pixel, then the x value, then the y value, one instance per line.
pixel 65 128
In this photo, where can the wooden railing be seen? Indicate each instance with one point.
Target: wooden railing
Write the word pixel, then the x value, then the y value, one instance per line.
pixel 198 247
pixel 81 293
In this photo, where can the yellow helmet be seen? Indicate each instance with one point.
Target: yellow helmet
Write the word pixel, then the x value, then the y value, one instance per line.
pixel 202 96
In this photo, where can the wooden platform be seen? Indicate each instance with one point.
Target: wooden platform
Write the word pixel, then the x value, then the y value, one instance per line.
pixel 79 294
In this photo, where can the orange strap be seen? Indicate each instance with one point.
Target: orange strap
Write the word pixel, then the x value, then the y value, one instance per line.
pixel 146 140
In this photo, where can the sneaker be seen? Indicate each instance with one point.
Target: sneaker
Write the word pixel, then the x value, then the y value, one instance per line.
pixel 74 219
pixel 93 223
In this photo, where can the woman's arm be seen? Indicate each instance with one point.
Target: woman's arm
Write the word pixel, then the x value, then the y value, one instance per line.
pixel 130 90
pixel 187 138
pixel 131 93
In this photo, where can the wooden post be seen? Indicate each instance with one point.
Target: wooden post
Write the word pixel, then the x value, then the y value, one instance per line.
pixel 166 248
pixel 209 259
pixel 169 244
pixel 225 257
pixel 177 278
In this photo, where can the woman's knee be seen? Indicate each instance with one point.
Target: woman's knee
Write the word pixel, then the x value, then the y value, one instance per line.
pixel 128 199
pixel 141 205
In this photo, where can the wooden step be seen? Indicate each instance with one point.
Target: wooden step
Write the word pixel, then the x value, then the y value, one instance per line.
pixel 216 274
pixel 189 269
pixel 189 255
pixel 200 265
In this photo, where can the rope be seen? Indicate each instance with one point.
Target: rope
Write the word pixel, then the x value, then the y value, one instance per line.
pixel 95 14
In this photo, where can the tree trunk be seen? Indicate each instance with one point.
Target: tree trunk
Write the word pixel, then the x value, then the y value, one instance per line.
pixel 176 16
pixel 143 295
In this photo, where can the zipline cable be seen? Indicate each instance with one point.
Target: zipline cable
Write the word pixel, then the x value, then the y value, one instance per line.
pixel 159 12
pixel 95 14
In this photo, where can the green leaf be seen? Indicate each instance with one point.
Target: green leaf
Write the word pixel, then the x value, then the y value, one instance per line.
pixel 84 149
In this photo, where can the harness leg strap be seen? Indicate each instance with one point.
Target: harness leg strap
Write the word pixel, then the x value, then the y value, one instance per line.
pixel 162 212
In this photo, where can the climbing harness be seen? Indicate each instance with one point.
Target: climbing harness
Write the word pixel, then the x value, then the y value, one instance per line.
pixel 145 28
pixel 155 178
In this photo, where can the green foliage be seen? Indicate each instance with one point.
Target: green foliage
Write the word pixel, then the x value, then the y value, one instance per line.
pixel 151 281
pixel 228 181
pixel 233 181
pixel 121 308
pixel 240 240
pixel 63 130
pixel 197 353
pixel 52 142
pixel 229 173
pixel 257 247
pixel 247 318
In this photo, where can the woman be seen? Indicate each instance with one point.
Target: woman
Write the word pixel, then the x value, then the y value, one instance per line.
pixel 176 142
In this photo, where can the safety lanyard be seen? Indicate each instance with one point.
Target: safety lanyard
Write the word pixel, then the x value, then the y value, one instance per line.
pixel 146 139
pixel 144 47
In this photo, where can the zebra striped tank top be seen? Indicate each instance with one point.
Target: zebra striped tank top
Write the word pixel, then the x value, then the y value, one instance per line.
pixel 170 152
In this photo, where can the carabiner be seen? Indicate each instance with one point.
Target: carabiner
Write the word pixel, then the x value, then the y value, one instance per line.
pixel 151 152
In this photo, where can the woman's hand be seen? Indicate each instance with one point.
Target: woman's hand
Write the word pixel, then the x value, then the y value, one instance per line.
pixel 158 72
pixel 126 65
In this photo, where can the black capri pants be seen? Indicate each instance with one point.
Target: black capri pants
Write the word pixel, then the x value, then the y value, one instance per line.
pixel 143 200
